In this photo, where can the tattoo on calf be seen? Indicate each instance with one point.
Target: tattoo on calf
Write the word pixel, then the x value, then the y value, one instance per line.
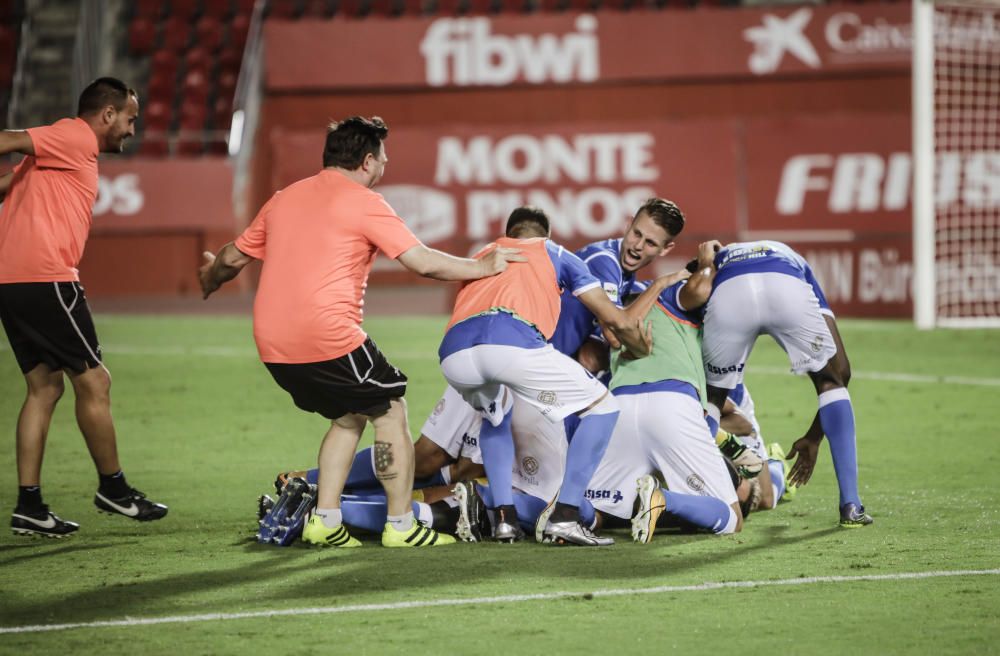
pixel 383 461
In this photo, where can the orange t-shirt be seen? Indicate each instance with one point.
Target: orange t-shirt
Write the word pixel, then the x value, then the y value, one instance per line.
pixel 530 290
pixel 47 213
pixel 318 239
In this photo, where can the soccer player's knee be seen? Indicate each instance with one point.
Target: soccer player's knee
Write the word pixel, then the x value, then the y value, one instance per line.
pixel 49 391
pixel 606 406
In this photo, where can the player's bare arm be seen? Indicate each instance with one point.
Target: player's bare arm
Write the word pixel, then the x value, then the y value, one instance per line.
pixel 432 263
pixel 221 268
pixel 627 331
pixel 638 309
pixel 699 286
pixel 16 141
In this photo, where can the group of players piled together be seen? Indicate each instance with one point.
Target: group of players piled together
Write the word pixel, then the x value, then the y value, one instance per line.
pixel 578 397
pixel 571 385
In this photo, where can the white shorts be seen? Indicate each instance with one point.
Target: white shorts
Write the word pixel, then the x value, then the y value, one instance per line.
pixel 665 432
pixel 539 451
pixel 753 304
pixel 554 384
pixel 454 426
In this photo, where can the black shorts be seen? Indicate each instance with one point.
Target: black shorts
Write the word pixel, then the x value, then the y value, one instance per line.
pixel 361 382
pixel 49 323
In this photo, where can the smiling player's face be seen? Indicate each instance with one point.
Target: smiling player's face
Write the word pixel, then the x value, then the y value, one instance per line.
pixel 644 241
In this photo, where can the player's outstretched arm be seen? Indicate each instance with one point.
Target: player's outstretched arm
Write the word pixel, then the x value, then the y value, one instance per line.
pixel 638 309
pixel 699 286
pixel 629 332
pixel 16 141
pixel 221 268
pixel 432 263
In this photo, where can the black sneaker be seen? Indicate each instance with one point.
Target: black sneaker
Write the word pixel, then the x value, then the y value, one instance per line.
pixel 854 516
pixel 473 523
pixel 40 522
pixel 134 505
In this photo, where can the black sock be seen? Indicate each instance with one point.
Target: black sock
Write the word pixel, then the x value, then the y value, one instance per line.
pixel 444 516
pixel 563 512
pixel 507 514
pixel 114 486
pixel 29 497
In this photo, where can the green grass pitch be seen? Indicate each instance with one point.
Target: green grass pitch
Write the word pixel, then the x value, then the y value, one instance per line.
pixel 203 428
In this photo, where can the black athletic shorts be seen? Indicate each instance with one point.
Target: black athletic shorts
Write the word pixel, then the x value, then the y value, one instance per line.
pixel 49 323
pixel 361 382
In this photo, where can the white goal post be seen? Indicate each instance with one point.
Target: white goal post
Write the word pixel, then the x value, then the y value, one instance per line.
pixel 956 163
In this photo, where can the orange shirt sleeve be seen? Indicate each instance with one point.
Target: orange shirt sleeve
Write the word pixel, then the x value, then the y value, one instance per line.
pixel 384 228
pixel 253 241
pixel 67 144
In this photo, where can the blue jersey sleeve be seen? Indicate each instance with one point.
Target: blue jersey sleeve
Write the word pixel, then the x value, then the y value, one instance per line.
pixel 571 273
pixel 670 300
pixel 604 266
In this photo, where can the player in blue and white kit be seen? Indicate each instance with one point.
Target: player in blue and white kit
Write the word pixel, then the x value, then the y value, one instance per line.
pixel 765 287
pixel 614 262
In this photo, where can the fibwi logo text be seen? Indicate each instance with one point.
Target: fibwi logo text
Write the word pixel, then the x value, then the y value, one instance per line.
pixel 465 52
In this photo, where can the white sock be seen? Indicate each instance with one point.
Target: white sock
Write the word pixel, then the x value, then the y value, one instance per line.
pixel 401 522
pixel 424 514
pixel 332 517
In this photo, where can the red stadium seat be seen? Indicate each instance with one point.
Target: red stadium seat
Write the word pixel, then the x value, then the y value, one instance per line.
pixel 218 9
pixel 244 6
pixel 141 36
pixel 186 9
pixel 208 33
pixel 176 33
pixel 222 113
pixel 283 9
pixel 164 63
pixel 478 7
pixel 156 116
pixel 412 7
pixel 230 60
pixel 154 144
pixel 161 87
pixel 195 87
pixel 448 7
pixel 150 9
pixel 7 61
pixel 238 29
pixel 191 144
pixel 225 84
pixel 198 59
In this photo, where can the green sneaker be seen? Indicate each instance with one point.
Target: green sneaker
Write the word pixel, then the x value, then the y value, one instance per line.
pixel 317 533
pixel 418 536
pixel 775 452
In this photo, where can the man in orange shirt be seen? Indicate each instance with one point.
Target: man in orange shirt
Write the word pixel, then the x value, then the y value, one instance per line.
pixel 317 239
pixel 44 225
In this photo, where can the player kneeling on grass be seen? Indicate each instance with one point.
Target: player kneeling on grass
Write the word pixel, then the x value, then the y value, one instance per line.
pixel 495 348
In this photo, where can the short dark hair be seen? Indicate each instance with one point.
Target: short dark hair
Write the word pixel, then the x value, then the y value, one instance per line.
pixel 102 92
pixel 527 219
pixel 350 140
pixel 665 214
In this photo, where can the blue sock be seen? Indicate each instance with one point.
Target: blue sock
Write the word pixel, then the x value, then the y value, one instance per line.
pixel 777 469
pixel 584 455
pixel 587 514
pixel 312 476
pixel 528 509
pixel 497 446
pixel 705 512
pixel 836 415
pixel 369 515
pixel 486 493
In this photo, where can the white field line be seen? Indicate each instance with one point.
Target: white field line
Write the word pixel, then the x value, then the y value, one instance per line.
pixel 477 601
pixel 251 353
